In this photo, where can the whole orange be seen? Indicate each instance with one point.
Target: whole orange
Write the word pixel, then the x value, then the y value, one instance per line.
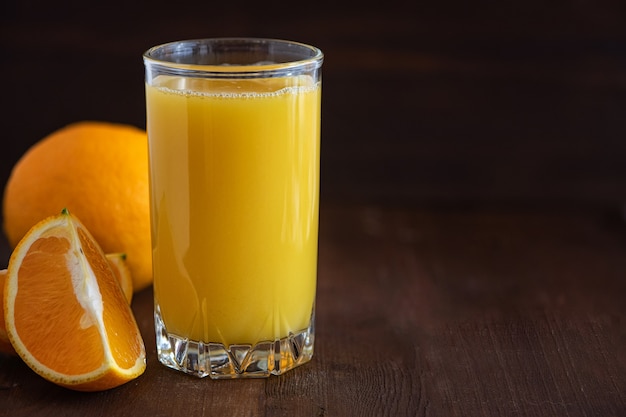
pixel 99 172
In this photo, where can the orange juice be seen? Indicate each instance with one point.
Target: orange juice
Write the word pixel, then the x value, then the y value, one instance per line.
pixel 234 200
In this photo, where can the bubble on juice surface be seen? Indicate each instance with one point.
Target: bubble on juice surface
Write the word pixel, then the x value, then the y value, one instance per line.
pixel 235 88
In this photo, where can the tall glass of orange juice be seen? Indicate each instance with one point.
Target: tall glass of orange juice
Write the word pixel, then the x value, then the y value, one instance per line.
pixel 234 147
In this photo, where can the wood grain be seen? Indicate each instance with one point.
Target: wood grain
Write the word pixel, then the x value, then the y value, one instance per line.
pixel 419 313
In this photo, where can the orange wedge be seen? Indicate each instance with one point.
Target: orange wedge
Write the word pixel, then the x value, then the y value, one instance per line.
pixel 5 343
pixel 65 313
pixel 122 273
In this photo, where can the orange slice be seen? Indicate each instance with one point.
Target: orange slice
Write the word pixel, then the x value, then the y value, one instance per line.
pixel 122 273
pixel 5 343
pixel 65 313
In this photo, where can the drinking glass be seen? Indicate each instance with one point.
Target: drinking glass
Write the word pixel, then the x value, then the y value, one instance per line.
pixel 234 138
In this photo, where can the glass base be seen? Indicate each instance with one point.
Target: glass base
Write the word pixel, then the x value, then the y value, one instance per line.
pixel 234 361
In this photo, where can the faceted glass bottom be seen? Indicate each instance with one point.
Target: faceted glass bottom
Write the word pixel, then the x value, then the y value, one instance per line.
pixel 234 361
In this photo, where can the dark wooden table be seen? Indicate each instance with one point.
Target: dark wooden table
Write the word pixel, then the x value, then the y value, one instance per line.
pixel 472 243
pixel 420 312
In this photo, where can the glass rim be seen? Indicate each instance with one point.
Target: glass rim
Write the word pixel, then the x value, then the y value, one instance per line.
pixel 313 61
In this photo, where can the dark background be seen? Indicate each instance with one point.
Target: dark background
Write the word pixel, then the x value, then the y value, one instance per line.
pixel 446 102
